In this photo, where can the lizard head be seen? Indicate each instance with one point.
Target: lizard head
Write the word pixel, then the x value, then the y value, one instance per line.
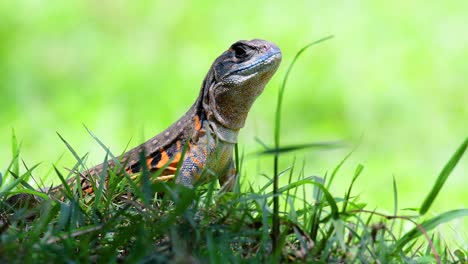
pixel 238 77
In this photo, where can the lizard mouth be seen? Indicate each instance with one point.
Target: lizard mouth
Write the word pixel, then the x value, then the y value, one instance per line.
pixel 263 63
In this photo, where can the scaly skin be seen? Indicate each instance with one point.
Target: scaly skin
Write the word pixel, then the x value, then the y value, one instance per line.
pixel 210 127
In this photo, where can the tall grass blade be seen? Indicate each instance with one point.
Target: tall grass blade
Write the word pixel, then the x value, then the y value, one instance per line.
pixel 291 148
pixel 263 144
pixel 103 146
pixel 357 172
pixel 15 152
pixel 289 182
pixel 395 202
pixel 317 209
pixel 328 197
pixel 448 168
pixel 337 168
pixel 275 228
pixel 270 181
pixel 429 225
pixel 102 179
pixel 14 163
pixel 237 163
pixel 30 191
pixel 66 188
pixel 7 188
pixel 70 148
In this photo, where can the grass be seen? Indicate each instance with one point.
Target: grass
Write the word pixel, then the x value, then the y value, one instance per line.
pixel 129 221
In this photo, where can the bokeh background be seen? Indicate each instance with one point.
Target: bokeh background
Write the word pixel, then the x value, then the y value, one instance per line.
pixel 392 81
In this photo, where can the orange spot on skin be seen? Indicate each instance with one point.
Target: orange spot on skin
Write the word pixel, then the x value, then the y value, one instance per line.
pixel 196 161
pixel 148 162
pixel 88 190
pixel 178 154
pixel 174 161
pixel 164 159
pixel 197 123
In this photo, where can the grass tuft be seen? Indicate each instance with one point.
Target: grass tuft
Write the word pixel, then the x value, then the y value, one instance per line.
pixel 135 219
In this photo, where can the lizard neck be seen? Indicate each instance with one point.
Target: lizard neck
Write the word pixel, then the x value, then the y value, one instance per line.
pixel 204 110
pixel 224 134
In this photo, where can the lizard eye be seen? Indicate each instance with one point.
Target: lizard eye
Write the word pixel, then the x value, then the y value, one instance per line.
pixel 239 51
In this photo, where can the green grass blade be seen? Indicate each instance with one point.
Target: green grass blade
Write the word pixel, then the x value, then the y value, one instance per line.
pixel 44 177
pixel 66 188
pixel 395 202
pixel 275 230
pixel 70 148
pixel 30 191
pixel 291 148
pixel 117 163
pixel 429 225
pixel 448 168
pixel 283 86
pixel 237 165
pixel 261 143
pixel 146 188
pixel 331 201
pixel 270 181
pixel 289 182
pixel 7 188
pixel 357 172
pixel 15 152
pixel 101 178
pixel 337 168
pixel 14 163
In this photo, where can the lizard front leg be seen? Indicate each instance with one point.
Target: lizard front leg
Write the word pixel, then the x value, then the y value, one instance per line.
pixel 192 166
pixel 208 160
pixel 228 180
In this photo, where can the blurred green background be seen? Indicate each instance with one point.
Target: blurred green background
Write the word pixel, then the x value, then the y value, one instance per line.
pixel 393 80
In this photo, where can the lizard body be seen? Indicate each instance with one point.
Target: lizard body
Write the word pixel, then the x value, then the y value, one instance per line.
pixel 210 127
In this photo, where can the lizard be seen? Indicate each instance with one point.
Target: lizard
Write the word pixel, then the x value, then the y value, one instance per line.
pixel 209 128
